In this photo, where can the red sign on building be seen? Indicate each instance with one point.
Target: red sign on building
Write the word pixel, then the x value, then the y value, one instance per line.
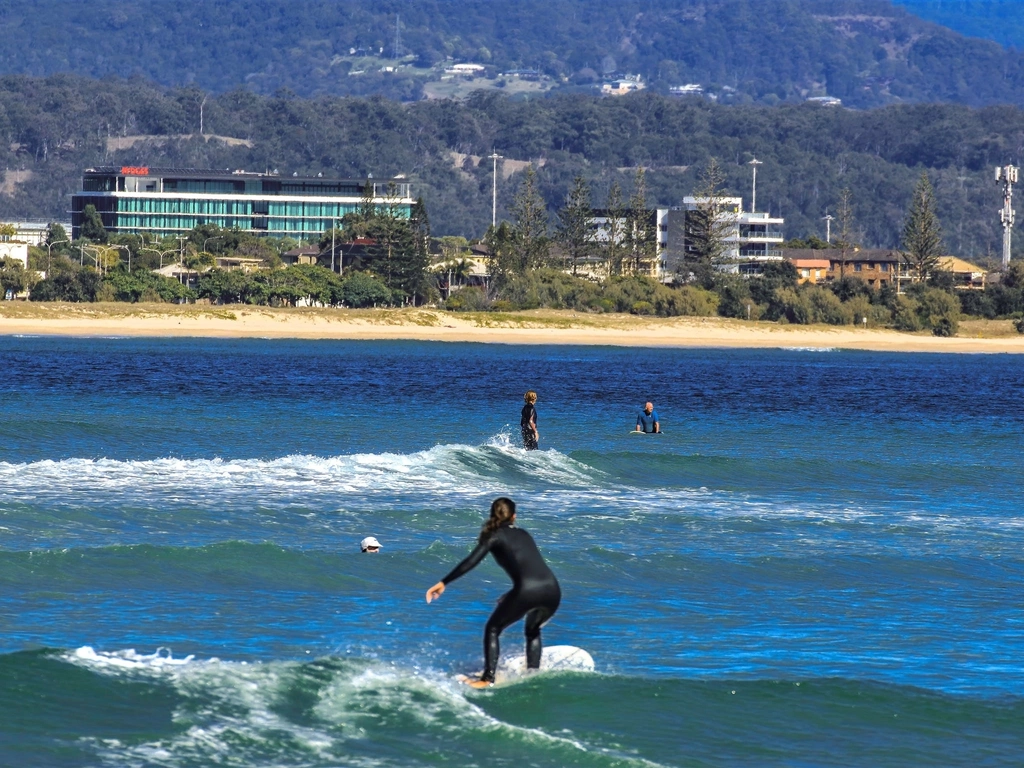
pixel 135 170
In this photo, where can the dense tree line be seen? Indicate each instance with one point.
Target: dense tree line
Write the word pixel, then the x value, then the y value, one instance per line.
pixel 867 52
pixel 53 128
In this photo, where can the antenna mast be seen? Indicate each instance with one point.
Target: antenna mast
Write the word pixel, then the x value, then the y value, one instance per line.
pixel 1008 175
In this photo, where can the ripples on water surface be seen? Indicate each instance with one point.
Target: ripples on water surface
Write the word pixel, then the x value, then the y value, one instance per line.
pixel 819 563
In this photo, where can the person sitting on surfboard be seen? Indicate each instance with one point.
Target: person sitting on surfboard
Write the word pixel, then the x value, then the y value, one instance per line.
pixel 647 420
pixel 535 593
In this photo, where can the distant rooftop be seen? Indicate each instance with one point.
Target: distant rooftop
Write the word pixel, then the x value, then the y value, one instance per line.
pixel 207 173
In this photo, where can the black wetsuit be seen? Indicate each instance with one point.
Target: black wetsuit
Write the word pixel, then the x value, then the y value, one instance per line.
pixel 527 421
pixel 535 593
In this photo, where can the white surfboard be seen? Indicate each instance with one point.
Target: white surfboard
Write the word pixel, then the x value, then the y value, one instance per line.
pixel 555 658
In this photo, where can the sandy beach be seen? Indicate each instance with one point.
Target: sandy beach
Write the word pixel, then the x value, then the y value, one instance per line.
pixel 530 327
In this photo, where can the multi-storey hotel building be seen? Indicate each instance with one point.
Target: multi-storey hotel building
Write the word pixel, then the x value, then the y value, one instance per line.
pixel 171 201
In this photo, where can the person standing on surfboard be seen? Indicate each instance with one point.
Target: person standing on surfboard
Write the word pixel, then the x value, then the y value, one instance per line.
pixel 535 593
pixel 647 420
pixel 528 422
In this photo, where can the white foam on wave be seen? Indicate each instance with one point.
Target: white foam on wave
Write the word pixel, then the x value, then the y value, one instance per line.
pixel 447 468
pixel 811 349
pixel 235 708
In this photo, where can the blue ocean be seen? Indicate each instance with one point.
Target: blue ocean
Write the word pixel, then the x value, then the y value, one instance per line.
pixel 819 563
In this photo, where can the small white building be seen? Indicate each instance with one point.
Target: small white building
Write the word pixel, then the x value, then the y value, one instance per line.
pixel 690 89
pixel 623 85
pixel 825 101
pixel 33 232
pixel 466 70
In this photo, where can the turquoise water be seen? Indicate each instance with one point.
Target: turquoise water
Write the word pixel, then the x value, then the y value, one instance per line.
pixel 818 564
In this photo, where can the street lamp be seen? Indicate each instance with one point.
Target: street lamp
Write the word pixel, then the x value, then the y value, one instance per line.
pixel 92 256
pixel 495 157
pixel 215 237
pixel 341 261
pixel 129 255
pixel 49 246
pixel 161 253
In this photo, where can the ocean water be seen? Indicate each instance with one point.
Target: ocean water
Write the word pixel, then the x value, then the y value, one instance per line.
pixel 820 563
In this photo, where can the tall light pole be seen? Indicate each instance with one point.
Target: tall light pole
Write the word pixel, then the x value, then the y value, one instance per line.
pixel 215 237
pixel 341 262
pixel 129 255
pixel 181 253
pixel 827 218
pixel 1008 175
pixel 161 253
pixel 495 157
pixel 753 197
pixel 49 253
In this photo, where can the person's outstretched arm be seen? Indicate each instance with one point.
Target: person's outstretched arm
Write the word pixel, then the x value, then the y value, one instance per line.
pixel 471 561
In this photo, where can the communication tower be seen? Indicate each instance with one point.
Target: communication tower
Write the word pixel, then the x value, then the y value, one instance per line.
pixel 1008 175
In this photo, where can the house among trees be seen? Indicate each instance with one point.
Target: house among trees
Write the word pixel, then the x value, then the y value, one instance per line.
pixel 623 85
pixel 876 266
pixel 811 270
pixel 965 274
pixel 306 254
pixel 465 70
pixel 690 89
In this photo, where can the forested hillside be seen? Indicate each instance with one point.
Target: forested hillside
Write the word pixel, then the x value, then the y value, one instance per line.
pixel 999 20
pixel 866 52
pixel 50 129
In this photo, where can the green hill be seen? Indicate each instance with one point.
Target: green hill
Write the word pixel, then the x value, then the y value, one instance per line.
pixel 866 52
pixel 50 129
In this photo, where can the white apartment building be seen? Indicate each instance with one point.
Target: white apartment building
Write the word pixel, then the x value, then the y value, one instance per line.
pixel 753 239
pixel 603 233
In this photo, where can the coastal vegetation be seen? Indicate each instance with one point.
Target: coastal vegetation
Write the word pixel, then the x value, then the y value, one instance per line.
pixel 530 266
pixel 53 128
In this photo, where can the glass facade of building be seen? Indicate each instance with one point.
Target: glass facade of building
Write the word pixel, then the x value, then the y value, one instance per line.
pixel 169 201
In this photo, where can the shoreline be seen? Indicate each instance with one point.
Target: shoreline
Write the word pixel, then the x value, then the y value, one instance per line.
pixel 547 327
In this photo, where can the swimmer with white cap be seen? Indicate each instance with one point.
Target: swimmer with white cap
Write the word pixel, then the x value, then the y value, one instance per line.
pixel 369 544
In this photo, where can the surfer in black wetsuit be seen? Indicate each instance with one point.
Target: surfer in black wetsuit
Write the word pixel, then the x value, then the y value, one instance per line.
pixel 535 593
pixel 528 422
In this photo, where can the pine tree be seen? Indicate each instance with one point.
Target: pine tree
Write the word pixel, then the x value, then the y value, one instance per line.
pixel 393 243
pixel 92 225
pixel 575 224
pixel 499 241
pixel 641 233
pixel 367 205
pixel 417 259
pixel 615 229
pixel 530 228
pixel 709 224
pixel 844 235
pixel 922 235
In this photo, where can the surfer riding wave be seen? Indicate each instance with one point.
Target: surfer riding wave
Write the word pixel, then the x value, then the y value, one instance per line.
pixel 535 593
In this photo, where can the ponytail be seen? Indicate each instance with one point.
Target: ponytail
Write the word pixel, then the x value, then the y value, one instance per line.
pixel 502 511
